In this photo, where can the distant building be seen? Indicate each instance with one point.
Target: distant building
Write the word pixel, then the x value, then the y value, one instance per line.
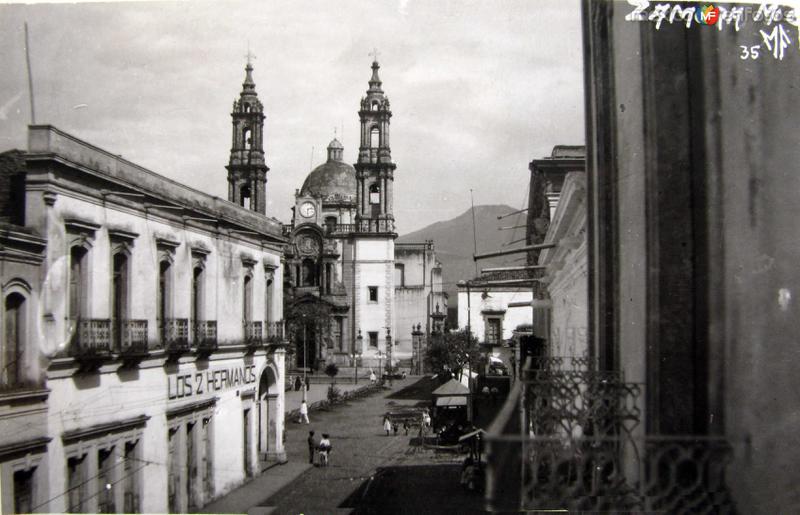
pixel 142 352
pixel 351 292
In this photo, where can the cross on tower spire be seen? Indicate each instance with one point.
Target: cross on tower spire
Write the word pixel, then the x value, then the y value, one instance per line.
pixel 249 55
pixel 374 54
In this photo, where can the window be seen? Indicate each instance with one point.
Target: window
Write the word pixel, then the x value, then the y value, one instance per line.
pixel 309 273
pixel 76 484
pixel 105 481
pixel 374 138
pixel 373 293
pixel 399 275
pixel 198 276
pixel 267 299
pixel 23 491
pixel 247 301
pixel 494 330
pixel 77 283
pixel 164 289
pixel 330 223
pixel 14 341
pixel 374 106
pixel 373 338
pixel 340 333
pixel 130 486
pixel 119 295
pixel 244 197
pixel 246 446
pixel 247 138
pixel 374 194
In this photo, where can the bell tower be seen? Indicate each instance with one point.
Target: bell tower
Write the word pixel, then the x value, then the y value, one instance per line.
pixel 374 169
pixel 247 171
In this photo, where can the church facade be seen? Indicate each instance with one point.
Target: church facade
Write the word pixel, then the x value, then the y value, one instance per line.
pixel 344 273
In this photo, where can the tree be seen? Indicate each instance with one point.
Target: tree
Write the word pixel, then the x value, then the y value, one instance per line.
pixel 332 371
pixel 452 351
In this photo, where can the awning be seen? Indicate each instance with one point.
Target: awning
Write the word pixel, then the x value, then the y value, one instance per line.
pixel 451 401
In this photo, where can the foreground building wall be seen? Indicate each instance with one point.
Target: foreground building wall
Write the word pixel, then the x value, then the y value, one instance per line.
pixel 156 318
pixel 693 174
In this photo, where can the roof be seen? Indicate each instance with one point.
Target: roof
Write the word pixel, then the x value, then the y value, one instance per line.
pixel 569 151
pixel 451 387
pixel 452 401
pixel 331 179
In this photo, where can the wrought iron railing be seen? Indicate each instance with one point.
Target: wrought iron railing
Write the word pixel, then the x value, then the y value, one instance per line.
pixel 174 333
pixel 205 335
pixel 253 334
pixel 274 332
pixel 368 226
pixel 132 340
pixel 569 438
pixel 92 339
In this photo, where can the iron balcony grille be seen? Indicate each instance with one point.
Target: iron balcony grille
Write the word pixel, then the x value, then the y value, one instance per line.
pixel 567 439
pixel 253 335
pixel 174 333
pixel 275 332
pixel 205 335
pixel 132 338
pixel 92 339
pixel 368 226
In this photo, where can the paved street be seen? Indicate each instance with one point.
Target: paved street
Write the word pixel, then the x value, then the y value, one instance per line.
pixel 406 475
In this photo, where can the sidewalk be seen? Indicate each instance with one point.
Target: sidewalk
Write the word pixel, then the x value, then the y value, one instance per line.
pixel 316 393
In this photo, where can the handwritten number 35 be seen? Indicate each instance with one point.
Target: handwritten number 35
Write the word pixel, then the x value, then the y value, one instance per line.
pixel 749 52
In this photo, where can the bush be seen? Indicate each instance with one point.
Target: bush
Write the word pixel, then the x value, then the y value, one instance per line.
pixel 332 371
pixel 334 394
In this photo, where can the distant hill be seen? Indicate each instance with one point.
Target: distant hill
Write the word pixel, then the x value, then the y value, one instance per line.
pixel 454 244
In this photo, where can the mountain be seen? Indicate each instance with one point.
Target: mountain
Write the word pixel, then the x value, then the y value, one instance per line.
pixel 453 242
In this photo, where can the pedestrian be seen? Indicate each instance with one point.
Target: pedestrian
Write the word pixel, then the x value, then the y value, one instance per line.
pixel 406 426
pixel 308 384
pixel 312 445
pixel 394 427
pixel 372 378
pixel 304 412
pixel 298 383
pixel 387 425
pixel 324 449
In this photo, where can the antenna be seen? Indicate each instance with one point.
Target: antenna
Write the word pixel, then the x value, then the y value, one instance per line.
pixel 30 75
pixel 474 233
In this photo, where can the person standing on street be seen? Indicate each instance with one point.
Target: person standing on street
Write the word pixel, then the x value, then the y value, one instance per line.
pixel 312 446
pixel 324 450
pixel 304 412
pixel 372 378
pixel 387 426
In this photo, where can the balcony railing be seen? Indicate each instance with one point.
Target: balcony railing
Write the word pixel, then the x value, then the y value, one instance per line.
pixel 92 340
pixel 253 335
pixel 205 336
pixel 369 226
pixel 581 451
pixel 132 339
pixel 274 332
pixel 174 333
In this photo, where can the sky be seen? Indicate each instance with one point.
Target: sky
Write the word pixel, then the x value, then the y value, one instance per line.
pixel 478 89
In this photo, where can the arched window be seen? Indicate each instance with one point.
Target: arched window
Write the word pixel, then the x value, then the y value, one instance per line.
pixel 374 138
pixel 399 275
pixel 374 194
pixel 374 105
pixel 310 275
pixel 198 279
pixel 244 196
pixel 247 298
pixel 330 223
pixel 247 138
pixel 13 341
pixel 246 107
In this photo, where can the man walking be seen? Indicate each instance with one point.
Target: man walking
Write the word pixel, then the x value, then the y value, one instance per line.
pixel 311 447
pixel 304 412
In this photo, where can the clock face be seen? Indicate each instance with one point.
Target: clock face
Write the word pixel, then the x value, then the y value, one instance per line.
pixel 307 210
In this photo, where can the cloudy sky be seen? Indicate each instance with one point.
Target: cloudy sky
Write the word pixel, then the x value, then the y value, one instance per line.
pixel 478 89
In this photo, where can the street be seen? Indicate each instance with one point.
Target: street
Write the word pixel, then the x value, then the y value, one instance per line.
pixel 369 472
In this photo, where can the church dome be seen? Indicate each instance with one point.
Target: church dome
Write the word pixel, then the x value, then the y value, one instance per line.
pixel 334 180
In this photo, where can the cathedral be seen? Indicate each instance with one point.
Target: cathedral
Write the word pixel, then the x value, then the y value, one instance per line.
pixel 352 295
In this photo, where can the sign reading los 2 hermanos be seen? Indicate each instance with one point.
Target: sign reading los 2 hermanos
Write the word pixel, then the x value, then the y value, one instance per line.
pixel 184 385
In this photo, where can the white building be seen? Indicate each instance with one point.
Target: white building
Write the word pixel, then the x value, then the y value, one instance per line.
pixel 142 336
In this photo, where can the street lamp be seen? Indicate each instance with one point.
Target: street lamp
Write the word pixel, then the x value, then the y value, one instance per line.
pixel 380 370
pixel 357 353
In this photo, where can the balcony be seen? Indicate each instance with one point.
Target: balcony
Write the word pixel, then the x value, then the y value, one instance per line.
pixel 274 332
pixel 174 333
pixel 132 338
pixel 91 343
pixel 204 333
pixel 253 336
pixel 369 226
pixel 583 450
